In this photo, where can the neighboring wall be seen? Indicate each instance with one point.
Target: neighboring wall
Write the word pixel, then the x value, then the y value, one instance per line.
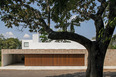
pixel 110 59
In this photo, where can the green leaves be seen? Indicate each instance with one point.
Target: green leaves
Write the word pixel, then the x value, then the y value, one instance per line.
pixel 30 12
pixel 11 43
pixel 44 35
pixel 113 22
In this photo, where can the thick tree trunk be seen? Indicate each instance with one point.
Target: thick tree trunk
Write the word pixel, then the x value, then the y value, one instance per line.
pixel 95 62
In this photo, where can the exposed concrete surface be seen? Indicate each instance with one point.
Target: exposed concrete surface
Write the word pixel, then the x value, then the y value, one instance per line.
pixel 22 67
pixel 109 59
pixel 43 68
pixel 7 59
pixel 36 44
pixel 43 51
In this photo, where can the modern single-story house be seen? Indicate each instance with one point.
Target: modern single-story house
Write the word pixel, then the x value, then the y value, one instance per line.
pixel 35 53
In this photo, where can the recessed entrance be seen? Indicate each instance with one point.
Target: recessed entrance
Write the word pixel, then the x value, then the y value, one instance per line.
pixel 54 60
pixel 10 59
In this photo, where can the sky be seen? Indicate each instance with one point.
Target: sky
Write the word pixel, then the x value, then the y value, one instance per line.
pixel 14 32
pixel 86 29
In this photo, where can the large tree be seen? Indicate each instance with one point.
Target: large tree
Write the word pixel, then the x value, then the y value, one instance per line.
pixel 23 13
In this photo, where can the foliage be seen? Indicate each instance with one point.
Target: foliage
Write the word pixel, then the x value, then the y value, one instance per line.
pixel 1 39
pixel 112 44
pixel 9 43
pixel 21 12
pixel 44 36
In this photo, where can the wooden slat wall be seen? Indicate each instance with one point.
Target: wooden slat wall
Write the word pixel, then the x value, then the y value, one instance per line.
pixel 54 60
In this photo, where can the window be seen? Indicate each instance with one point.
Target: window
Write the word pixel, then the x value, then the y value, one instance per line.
pixel 26 44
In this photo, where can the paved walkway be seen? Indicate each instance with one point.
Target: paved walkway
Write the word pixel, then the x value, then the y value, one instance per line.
pixel 43 68
pixel 50 71
pixel 22 67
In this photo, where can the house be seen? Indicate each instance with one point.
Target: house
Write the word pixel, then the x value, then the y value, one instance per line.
pixel 36 44
pixel 36 53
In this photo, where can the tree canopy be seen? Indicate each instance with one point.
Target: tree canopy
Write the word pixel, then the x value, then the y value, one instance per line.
pixel 9 43
pixel 22 12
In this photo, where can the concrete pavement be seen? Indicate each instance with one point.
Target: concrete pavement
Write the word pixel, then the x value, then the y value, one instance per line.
pixel 48 73
pixel 22 67
pixel 43 68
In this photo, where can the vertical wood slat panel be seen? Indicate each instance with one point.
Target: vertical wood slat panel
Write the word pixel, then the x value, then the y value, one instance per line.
pixel 54 60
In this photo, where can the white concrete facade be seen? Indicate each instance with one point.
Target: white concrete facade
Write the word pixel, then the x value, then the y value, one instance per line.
pixel 7 59
pixel 35 44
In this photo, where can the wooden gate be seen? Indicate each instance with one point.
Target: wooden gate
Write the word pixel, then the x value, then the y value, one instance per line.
pixel 54 60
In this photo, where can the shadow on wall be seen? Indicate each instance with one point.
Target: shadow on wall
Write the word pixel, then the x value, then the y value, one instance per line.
pixel 82 74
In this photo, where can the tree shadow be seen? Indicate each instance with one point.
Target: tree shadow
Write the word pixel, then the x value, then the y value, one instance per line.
pixel 78 74
pixel 82 74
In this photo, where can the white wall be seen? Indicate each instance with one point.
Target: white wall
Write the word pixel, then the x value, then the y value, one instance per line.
pixel 38 45
pixel 7 59
pixel 30 43
pixel 52 45
pixel 35 38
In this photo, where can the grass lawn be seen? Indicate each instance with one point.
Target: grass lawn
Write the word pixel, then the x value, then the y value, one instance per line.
pixel 0 63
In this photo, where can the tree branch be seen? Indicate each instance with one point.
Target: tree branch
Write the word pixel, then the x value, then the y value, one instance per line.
pixel 48 11
pixel 38 15
pixel 71 36
pixel 92 16
pixel 86 14
pixel 98 19
pixel 108 32
pixel 102 8
pixel 99 27
pixel 45 26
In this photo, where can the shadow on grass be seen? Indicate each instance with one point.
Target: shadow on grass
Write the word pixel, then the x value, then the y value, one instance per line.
pixel 82 74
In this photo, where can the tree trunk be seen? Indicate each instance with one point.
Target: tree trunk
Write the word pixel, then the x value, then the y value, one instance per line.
pixel 95 62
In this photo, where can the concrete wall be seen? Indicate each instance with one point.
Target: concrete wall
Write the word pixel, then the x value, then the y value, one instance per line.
pixel 35 44
pixel 30 43
pixel 52 45
pixel 110 59
pixel 35 38
pixel 41 51
pixel 7 59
